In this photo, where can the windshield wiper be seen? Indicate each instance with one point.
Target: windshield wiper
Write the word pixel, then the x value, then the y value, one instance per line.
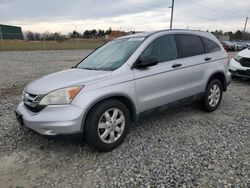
pixel 103 69
pixel 90 68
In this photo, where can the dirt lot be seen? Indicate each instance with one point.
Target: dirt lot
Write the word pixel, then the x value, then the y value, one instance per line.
pixel 181 147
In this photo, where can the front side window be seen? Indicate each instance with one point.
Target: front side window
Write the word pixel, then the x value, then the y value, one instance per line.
pixel 163 49
pixel 111 55
pixel 210 46
pixel 190 45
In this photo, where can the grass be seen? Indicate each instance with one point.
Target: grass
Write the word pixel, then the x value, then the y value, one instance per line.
pixel 71 44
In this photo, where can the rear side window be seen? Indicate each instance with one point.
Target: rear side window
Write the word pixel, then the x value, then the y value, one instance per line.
pixel 210 45
pixel 189 45
pixel 163 49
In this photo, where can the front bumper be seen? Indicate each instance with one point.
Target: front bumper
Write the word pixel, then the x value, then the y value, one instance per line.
pixel 237 70
pixel 53 119
pixel 240 73
pixel 228 78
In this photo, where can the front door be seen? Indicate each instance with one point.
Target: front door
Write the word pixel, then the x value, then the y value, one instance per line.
pixel 163 83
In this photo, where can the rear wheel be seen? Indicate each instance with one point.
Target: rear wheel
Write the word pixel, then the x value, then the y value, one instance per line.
pixel 213 96
pixel 107 125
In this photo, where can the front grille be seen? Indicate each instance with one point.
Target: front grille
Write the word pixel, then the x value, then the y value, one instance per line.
pixel 32 101
pixel 245 62
pixel 243 72
pixel 34 109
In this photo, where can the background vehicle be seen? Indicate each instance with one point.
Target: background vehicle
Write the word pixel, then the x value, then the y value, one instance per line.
pixel 247 43
pixel 125 79
pixel 239 46
pixel 240 64
pixel 225 46
pixel 243 44
pixel 229 45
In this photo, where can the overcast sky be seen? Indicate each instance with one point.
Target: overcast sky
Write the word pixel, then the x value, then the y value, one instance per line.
pixel 142 15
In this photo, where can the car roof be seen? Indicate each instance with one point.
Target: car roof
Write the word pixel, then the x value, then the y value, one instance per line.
pixel 168 31
pixel 141 34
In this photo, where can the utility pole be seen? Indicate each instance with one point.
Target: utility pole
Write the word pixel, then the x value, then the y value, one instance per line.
pixel 172 14
pixel 44 46
pixel 245 25
pixel 244 30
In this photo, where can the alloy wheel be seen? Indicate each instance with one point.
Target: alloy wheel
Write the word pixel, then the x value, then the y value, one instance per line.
pixel 111 125
pixel 214 95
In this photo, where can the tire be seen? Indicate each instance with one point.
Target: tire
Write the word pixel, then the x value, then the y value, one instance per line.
pixel 102 132
pixel 206 104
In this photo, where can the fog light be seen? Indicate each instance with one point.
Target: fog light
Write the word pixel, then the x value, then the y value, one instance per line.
pixel 50 132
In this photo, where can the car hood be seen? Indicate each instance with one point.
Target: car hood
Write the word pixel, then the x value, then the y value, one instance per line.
pixel 245 53
pixel 66 78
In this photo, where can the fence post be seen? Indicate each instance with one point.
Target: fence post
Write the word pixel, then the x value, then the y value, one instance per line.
pixel 76 37
pixel 44 47
pixel 1 37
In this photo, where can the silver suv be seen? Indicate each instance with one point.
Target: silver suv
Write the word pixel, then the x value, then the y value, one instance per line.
pixel 123 80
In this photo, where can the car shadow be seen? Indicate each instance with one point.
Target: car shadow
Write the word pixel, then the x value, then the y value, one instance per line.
pixel 76 141
pixel 245 81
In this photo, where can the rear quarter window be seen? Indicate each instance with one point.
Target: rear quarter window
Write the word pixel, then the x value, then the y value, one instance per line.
pixel 189 45
pixel 210 45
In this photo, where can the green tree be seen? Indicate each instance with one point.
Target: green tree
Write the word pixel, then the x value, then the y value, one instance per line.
pixel 108 32
pixel 238 35
pixel 87 34
pixel 93 33
pixel 75 34
pixel 101 33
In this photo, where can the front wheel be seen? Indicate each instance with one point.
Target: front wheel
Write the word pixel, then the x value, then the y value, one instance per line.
pixel 107 125
pixel 213 96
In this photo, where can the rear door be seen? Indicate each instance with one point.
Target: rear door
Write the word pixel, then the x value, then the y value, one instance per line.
pixel 193 58
pixel 162 83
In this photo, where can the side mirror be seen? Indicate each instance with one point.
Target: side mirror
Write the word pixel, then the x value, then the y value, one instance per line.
pixel 145 63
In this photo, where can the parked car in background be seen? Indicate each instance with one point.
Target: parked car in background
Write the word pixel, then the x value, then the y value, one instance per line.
pixel 244 44
pixel 240 64
pixel 229 45
pixel 239 46
pixel 125 79
pixel 225 46
pixel 247 44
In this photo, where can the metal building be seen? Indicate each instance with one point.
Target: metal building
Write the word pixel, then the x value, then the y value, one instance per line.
pixel 10 32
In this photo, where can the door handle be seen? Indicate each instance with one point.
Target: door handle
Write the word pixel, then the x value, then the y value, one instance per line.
pixel 176 65
pixel 207 58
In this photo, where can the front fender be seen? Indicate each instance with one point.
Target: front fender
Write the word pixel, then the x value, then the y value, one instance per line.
pixel 88 99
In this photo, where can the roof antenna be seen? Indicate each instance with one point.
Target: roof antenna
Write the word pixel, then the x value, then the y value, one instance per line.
pixel 187 27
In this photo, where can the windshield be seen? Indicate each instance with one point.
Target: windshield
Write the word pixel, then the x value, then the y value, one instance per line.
pixel 111 55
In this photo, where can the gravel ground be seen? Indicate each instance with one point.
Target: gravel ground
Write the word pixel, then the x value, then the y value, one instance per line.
pixel 181 147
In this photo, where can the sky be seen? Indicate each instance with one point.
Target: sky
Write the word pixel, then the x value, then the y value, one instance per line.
pixel 139 15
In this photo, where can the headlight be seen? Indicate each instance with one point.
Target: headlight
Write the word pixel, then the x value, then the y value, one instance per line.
pixel 61 96
pixel 237 58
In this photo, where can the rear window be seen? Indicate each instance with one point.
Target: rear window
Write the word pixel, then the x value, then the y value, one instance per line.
pixel 189 45
pixel 210 45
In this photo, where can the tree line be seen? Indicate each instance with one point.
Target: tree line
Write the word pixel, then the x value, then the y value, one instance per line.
pixel 58 36
pixel 238 35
